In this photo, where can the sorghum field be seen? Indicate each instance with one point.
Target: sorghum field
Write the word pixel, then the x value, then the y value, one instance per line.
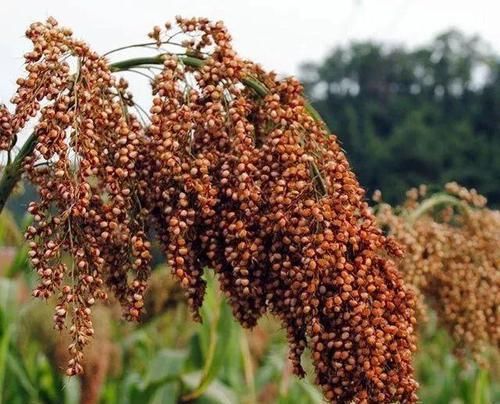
pixel 217 245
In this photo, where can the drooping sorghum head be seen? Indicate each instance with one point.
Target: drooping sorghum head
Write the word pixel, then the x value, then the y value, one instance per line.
pixel 453 262
pixel 84 168
pixel 258 190
pixel 233 174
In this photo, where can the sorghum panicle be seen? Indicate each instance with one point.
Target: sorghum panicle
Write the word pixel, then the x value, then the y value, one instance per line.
pixel 452 261
pixel 258 190
pixel 251 186
pixel 84 168
pixel 6 129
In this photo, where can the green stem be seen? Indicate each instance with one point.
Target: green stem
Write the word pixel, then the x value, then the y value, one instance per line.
pixel 248 367
pixel 190 61
pixel 212 347
pixel 198 63
pixel 432 202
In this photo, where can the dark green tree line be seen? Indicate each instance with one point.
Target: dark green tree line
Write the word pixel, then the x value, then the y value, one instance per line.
pixel 405 117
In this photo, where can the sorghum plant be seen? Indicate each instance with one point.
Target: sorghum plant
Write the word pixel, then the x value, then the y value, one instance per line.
pixel 235 172
pixel 452 261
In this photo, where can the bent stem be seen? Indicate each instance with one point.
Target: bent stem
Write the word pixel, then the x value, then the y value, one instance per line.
pixel 13 171
pixel 432 202
pixel 197 63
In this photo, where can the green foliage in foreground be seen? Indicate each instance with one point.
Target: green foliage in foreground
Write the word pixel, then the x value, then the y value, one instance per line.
pixel 209 363
pixel 171 360
pixel 443 379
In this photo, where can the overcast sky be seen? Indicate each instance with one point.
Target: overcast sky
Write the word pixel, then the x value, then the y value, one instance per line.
pixel 280 34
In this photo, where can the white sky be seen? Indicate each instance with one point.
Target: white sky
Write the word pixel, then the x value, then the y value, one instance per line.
pixel 280 34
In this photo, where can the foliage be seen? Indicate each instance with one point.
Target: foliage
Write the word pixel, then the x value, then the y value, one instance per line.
pixel 165 358
pixel 162 360
pixel 408 117
pixel 445 379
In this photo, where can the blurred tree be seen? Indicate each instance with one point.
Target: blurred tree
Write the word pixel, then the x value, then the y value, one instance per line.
pixel 406 117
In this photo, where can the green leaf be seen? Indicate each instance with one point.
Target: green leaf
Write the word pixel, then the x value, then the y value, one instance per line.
pixel 238 371
pixel 219 330
pixel 196 357
pixel 167 394
pixel 216 393
pixel 7 291
pixel 130 391
pixel 311 392
pixel 16 367
pixel 161 383
pixel 72 391
pixel 167 363
pixel 481 388
pixel 222 338
pixel 4 348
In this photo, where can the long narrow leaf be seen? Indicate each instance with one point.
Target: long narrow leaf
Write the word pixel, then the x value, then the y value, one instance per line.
pixel 15 365
pixel 220 328
pixel 4 348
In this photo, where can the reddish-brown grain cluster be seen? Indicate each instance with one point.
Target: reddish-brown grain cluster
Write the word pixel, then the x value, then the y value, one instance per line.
pixel 249 185
pixel 258 190
pixel 6 130
pixel 84 167
pixel 453 263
